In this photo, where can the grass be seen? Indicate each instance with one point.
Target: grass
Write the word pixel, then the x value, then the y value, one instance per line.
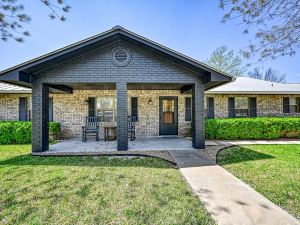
pixel 273 170
pixel 93 190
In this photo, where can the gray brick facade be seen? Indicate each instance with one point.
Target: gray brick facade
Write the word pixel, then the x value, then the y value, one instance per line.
pixel 97 67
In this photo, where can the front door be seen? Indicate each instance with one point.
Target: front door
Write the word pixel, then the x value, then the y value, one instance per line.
pixel 168 116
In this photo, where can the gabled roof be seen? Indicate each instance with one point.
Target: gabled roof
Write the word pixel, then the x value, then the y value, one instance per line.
pixel 247 85
pixel 11 88
pixel 212 76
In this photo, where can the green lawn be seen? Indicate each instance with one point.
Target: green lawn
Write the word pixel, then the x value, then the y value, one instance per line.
pixel 273 170
pixel 93 190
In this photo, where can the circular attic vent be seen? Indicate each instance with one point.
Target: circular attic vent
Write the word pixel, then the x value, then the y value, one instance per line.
pixel 120 56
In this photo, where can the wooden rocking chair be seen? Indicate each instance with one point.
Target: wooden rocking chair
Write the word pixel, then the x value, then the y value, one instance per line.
pixel 91 128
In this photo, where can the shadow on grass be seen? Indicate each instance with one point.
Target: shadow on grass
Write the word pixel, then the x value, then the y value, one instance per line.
pixel 89 161
pixel 238 154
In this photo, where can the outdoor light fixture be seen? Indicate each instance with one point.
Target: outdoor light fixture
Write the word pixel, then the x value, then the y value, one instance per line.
pixel 150 101
pixel 86 101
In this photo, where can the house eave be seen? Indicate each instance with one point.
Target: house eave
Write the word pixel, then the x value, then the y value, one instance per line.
pixel 14 92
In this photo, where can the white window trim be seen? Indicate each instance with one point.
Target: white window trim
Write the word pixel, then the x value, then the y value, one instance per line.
pixel 114 108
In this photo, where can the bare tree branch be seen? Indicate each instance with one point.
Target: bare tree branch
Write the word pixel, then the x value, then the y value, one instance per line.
pixel 277 23
pixel 269 75
pixel 13 17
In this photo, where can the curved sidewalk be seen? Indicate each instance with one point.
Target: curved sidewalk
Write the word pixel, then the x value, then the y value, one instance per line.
pixel 228 199
pixel 253 142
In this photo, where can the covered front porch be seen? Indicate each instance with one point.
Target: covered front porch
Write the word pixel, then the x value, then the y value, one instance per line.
pixel 160 108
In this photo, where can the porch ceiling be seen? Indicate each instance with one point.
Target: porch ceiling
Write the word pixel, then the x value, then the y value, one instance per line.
pixel 91 86
pixel 154 86
pixel 130 86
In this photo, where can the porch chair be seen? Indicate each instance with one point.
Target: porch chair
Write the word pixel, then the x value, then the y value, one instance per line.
pixel 131 127
pixel 91 128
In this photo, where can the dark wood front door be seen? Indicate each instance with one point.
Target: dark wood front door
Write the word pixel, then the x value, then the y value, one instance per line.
pixel 168 116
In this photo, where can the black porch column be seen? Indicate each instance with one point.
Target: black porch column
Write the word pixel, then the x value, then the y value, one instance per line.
pixel 198 130
pixel 122 115
pixel 40 116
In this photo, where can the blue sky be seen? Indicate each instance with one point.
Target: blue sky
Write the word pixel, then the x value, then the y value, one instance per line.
pixel 190 27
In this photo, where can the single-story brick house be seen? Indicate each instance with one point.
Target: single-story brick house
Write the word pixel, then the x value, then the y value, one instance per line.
pixel 111 75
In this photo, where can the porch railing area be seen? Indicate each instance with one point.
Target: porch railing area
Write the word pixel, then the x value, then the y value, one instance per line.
pixel 92 127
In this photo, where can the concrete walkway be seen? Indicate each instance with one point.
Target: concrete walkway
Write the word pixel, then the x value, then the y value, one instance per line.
pixel 252 142
pixel 228 199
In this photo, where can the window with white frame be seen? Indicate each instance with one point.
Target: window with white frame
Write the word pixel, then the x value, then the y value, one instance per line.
pixel 241 106
pixel 294 105
pixel 106 108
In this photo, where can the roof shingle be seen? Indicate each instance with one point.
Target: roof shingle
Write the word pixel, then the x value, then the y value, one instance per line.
pixel 10 88
pixel 247 85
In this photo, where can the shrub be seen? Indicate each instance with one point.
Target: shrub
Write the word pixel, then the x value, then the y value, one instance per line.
pixel 252 128
pixel 54 130
pixel 16 132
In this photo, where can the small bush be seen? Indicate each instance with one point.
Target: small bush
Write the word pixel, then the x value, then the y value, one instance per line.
pixel 252 128
pixel 17 132
pixel 54 130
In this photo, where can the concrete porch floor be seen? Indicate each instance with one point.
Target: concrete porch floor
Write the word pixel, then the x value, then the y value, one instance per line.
pixel 147 144
pixel 139 144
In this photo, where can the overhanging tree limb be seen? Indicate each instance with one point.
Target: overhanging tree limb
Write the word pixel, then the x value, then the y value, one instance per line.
pixel 13 17
pixel 277 24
